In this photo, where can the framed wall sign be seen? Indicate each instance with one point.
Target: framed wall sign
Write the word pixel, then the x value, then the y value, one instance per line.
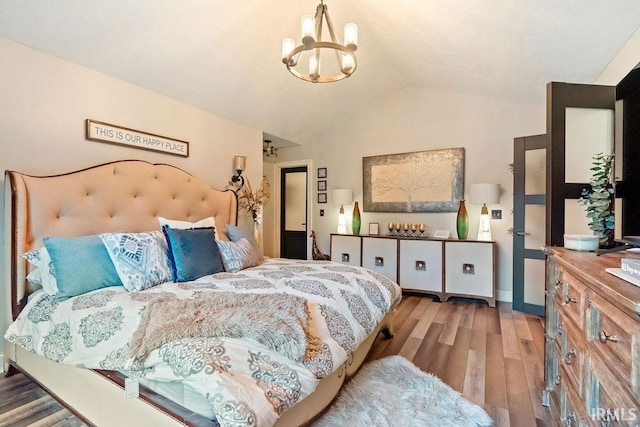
pixel 113 134
pixel 322 172
pixel 322 185
pixel 322 197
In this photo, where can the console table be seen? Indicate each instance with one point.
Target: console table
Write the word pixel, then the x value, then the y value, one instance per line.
pixel 441 267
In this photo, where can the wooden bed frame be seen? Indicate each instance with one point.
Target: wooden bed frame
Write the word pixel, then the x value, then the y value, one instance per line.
pixel 124 195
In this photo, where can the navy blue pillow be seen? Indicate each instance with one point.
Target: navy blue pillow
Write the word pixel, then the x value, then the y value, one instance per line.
pixel 193 253
pixel 81 264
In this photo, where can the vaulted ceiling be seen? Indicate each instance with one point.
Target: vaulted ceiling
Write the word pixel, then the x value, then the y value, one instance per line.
pixel 224 55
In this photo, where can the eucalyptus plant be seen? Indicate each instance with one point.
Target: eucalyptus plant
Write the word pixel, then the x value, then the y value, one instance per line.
pixel 599 199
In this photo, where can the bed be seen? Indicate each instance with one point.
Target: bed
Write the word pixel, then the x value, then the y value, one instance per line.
pixel 249 381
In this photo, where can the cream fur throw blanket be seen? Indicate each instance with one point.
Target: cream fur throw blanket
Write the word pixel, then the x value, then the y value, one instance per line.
pixel 278 321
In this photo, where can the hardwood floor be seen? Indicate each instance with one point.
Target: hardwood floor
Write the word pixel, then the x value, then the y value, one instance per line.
pixel 493 356
pixel 23 403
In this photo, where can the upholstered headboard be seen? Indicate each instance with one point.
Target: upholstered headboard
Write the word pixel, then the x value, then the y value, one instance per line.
pixel 120 196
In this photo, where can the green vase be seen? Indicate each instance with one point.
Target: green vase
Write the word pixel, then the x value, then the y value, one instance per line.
pixel 462 221
pixel 355 220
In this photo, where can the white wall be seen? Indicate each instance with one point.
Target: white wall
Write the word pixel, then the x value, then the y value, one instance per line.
pixel 45 102
pixel 417 119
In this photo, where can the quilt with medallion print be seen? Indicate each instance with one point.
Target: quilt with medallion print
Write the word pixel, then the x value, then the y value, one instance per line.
pixel 247 382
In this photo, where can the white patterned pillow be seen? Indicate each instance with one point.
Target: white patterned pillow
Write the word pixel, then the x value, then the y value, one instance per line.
pixel 43 274
pixel 140 258
pixel 238 255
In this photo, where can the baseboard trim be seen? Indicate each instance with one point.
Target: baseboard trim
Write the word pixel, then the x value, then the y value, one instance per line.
pixel 2 365
pixel 504 296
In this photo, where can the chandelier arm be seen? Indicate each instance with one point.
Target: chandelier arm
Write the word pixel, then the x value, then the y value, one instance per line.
pixel 334 39
pixel 320 10
pixel 332 34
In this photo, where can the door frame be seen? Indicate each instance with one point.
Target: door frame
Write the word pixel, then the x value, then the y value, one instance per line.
pixel 277 193
pixel 520 200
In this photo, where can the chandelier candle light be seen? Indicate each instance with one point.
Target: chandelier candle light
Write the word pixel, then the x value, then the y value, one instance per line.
pixel 312 43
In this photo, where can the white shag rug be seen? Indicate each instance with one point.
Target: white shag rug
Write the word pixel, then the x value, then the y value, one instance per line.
pixel 394 392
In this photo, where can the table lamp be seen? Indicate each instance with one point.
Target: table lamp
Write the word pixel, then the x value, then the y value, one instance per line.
pixel 483 194
pixel 342 196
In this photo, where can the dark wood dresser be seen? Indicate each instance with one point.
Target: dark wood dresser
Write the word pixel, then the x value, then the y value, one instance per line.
pixel 592 349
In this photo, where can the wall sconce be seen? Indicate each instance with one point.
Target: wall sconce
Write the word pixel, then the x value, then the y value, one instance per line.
pixel 342 196
pixel 483 194
pixel 240 164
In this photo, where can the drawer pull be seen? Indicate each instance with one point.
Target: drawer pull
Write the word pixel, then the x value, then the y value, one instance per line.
pixel 557 379
pixel 560 329
pixel 603 337
pixel 570 420
pixel 569 300
pixel 609 415
pixel 558 283
pixel 568 358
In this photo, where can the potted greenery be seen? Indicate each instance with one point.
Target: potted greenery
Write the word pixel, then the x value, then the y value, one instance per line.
pixel 599 199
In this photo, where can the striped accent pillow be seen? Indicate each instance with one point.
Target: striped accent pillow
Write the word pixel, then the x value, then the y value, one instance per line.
pixel 238 255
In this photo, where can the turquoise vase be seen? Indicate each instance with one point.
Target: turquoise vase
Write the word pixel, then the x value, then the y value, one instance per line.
pixel 462 221
pixel 355 220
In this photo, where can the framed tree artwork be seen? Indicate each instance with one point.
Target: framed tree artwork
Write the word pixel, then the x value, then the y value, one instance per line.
pixel 422 181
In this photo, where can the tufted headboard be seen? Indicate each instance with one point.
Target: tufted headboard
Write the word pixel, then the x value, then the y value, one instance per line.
pixel 126 195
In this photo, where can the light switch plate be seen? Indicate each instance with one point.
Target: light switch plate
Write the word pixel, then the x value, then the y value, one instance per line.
pixel 496 213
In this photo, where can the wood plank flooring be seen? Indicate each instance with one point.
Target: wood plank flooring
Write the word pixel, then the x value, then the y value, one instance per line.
pixel 493 356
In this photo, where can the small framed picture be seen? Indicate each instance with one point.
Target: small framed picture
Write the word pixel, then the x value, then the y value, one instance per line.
pixel 442 234
pixel 322 197
pixel 322 185
pixel 374 228
pixel 322 172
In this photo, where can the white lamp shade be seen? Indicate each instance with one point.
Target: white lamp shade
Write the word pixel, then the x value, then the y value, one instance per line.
pixel 484 193
pixel 341 196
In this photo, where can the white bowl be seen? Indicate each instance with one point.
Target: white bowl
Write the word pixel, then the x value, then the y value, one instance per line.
pixel 581 242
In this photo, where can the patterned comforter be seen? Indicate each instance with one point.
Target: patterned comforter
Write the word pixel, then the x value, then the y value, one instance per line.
pixel 245 381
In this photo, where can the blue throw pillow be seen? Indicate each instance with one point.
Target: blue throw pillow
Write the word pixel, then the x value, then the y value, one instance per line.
pixel 81 264
pixel 193 252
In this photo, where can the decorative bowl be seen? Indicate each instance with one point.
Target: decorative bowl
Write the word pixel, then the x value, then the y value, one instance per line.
pixel 581 242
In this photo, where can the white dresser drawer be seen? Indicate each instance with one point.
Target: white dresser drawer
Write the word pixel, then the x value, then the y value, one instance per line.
pixel 381 255
pixel 469 268
pixel 421 265
pixel 345 249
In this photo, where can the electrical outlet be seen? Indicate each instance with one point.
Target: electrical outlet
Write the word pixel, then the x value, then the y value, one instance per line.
pixel 496 213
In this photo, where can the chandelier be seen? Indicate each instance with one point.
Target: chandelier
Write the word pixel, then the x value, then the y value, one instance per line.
pixel 269 150
pixel 313 47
